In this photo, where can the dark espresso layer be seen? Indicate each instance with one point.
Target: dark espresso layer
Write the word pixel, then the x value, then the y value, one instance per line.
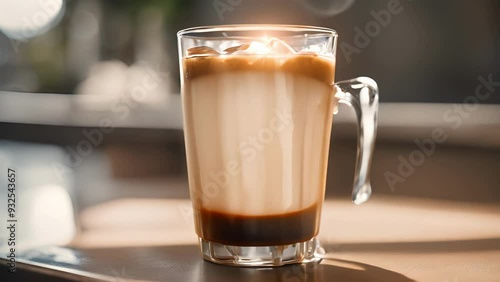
pixel 266 230
pixel 310 65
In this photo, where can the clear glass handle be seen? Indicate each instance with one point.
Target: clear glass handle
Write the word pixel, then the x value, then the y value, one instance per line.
pixel 361 94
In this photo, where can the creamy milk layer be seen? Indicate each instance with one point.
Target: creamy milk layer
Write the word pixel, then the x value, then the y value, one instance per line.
pixel 257 131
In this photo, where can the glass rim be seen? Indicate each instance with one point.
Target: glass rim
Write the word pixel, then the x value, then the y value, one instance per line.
pixel 252 27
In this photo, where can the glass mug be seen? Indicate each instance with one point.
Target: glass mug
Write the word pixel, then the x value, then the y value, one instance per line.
pixel 258 104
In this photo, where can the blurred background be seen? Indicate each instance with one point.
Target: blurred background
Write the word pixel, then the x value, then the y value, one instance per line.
pixel 428 52
pixel 80 128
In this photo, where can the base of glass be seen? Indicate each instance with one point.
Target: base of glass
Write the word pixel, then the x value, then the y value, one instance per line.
pixel 267 256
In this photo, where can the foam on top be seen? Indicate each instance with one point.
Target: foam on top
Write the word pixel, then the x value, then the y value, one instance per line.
pixel 275 55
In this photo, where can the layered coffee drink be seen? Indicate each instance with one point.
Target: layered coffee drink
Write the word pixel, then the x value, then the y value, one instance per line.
pixel 257 121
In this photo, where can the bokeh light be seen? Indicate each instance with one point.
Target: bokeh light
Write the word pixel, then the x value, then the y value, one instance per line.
pixel 25 19
pixel 326 7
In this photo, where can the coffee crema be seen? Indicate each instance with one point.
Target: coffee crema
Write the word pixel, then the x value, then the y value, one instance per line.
pixel 310 65
pixel 257 131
